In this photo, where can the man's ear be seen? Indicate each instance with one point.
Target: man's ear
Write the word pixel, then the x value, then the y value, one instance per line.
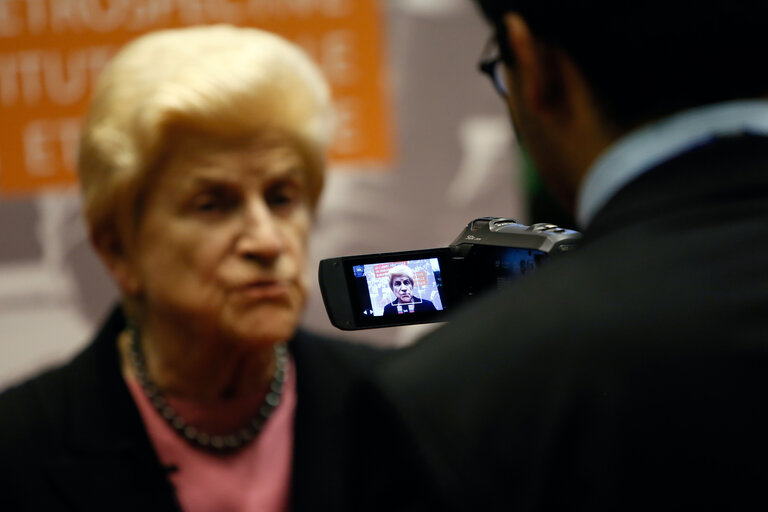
pixel 538 76
pixel 110 249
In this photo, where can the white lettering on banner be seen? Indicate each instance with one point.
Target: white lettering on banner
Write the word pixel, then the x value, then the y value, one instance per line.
pixel 37 16
pixel 348 118
pixel 72 16
pixel 257 9
pixel 337 8
pixel 149 13
pixel 297 8
pixel 337 57
pixel 39 155
pixel 63 17
pixel 16 16
pixel 190 11
pixel 98 56
pixel 34 75
pixel 69 136
pixel 9 89
pixel 224 11
pixel 29 74
pixel 334 52
pixel 301 7
pixel 47 143
pixel 104 16
pixel 10 24
pixel 65 87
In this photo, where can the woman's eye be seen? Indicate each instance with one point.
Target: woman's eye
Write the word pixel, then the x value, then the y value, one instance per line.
pixel 280 199
pixel 207 206
pixel 283 196
pixel 212 203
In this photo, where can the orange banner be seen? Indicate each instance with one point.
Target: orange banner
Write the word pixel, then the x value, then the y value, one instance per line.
pixel 51 52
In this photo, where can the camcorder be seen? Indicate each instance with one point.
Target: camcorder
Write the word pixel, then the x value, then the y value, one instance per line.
pixel 412 287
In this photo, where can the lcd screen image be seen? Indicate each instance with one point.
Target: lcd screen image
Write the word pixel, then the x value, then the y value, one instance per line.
pixel 511 263
pixel 399 287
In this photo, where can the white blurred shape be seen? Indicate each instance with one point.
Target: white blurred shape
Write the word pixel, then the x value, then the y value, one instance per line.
pixel 432 7
pixel 484 141
pixel 57 228
pixel 39 323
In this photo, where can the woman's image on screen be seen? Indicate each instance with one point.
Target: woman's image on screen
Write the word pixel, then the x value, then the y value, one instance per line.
pixel 403 286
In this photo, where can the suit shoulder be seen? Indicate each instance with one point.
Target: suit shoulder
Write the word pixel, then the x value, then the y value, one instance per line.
pixel 428 304
pixel 317 349
pixel 33 411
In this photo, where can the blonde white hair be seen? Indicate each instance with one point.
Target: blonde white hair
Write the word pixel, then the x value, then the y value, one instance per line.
pixel 400 270
pixel 218 80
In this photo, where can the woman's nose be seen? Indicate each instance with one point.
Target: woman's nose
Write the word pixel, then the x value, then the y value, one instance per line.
pixel 261 237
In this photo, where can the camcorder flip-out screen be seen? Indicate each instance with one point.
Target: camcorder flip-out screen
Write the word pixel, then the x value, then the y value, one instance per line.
pixel 358 290
pixel 412 287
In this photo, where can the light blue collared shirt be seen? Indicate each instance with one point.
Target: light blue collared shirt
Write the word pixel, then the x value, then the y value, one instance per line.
pixel 645 148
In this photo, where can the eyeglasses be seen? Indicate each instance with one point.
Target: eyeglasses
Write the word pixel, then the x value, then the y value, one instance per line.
pixel 493 66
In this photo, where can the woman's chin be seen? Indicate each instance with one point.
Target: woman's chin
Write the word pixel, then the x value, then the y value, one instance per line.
pixel 265 326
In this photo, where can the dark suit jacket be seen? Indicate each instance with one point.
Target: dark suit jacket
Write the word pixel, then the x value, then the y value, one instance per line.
pixel 72 438
pixel 424 305
pixel 629 375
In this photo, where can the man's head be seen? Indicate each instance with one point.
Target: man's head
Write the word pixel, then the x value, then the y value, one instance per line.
pixel 582 73
pixel 647 59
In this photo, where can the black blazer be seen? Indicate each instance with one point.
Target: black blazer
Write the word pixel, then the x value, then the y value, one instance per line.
pixel 422 305
pixel 629 375
pixel 72 438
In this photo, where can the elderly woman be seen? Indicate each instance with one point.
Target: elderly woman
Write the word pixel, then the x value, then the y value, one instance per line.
pixel 401 283
pixel 201 163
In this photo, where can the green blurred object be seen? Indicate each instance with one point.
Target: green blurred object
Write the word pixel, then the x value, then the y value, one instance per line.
pixel 542 206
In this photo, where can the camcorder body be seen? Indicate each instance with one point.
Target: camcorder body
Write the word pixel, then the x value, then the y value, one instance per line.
pixel 412 287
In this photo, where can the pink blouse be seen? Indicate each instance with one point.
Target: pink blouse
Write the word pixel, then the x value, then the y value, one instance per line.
pixel 255 478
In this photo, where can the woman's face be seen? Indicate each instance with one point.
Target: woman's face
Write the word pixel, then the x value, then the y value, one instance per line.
pixel 403 288
pixel 221 243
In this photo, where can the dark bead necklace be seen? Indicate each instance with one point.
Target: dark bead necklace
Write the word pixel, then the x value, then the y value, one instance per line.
pixel 217 443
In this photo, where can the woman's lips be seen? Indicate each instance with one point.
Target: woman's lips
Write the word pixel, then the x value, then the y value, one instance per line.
pixel 265 290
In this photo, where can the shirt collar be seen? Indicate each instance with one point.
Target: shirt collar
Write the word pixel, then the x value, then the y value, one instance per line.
pixel 647 147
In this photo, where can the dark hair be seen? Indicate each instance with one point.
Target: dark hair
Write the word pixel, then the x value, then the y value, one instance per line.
pixel 644 60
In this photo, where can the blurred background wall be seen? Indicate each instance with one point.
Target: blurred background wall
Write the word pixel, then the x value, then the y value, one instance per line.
pixel 424 145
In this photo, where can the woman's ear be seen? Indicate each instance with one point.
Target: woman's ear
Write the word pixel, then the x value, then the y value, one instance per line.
pixel 110 249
